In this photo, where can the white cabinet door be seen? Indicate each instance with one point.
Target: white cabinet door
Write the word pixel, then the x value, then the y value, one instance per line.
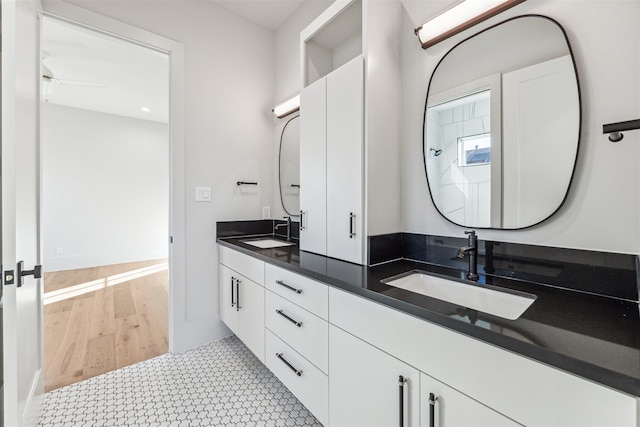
pixel 251 315
pixel 451 408
pixel 345 162
pixel 227 287
pixel 242 309
pixel 313 168
pixel 364 387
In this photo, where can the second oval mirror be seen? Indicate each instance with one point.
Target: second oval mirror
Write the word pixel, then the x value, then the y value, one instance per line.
pixel 289 166
pixel 502 125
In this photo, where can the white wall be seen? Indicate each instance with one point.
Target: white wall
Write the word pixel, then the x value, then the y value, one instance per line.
pixel 229 75
pixel 288 78
pixel 105 188
pixel 602 210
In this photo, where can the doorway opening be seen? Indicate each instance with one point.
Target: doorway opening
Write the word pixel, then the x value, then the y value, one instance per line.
pixel 105 203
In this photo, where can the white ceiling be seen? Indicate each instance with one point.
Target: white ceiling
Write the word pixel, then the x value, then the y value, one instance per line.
pixel 269 14
pixel 101 73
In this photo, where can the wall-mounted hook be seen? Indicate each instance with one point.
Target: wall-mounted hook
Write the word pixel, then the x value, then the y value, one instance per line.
pixel 615 129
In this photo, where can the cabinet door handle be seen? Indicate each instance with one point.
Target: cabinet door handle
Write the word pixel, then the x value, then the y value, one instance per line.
pixel 291 288
pixel 352 225
pixel 432 409
pixel 238 295
pixel 302 226
pixel 295 322
pixel 401 382
pixel 233 283
pixel 286 362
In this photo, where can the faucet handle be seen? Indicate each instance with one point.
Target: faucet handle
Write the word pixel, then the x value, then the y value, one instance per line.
pixel 471 232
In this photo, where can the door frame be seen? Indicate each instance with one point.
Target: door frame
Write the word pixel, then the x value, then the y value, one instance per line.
pixel 177 153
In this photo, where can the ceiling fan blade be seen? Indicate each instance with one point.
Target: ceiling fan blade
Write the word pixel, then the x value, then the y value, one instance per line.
pixel 68 82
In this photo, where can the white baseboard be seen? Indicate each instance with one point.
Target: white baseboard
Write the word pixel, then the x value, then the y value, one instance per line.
pixel 72 262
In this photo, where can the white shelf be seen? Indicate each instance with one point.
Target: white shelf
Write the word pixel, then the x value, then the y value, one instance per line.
pixel 331 40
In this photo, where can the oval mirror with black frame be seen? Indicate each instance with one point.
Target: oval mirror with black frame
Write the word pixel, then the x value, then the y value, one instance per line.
pixel 289 166
pixel 502 125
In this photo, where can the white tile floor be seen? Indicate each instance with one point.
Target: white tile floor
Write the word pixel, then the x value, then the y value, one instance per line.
pixel 218 384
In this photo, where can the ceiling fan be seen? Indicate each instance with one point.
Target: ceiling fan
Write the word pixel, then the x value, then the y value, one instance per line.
pixel 48 77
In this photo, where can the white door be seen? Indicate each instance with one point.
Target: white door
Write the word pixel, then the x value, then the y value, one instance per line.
pixel 364 385
pixel 443 406
pixel 228 298
pixel 22 306
pixel 313 168
pixel 345 162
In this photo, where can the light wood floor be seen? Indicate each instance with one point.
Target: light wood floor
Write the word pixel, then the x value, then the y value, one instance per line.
pixel 100 319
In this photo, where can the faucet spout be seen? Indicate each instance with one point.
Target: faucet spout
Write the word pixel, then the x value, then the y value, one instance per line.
pixel 463 250
pixel 288 225
pixel 472 250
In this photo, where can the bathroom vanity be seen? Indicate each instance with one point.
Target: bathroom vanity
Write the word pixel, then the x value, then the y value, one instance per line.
pixel 358 351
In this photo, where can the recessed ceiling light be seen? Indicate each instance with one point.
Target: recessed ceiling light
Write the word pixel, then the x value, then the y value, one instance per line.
pixel 145 109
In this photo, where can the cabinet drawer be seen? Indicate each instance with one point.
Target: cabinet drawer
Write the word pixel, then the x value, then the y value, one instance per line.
pixel 244 264
pixel 524 390
pixel 305 332
pixel 305 292
pixel 311 386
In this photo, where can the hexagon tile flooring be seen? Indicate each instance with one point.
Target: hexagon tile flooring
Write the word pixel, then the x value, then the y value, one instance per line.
pixel 218 384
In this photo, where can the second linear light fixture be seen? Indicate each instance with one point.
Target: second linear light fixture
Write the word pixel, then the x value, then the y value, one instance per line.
pixel 464 14
pixel 287 107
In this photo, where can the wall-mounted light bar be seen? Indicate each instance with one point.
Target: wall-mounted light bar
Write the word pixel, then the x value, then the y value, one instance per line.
pixel 459 17
pixel 287 107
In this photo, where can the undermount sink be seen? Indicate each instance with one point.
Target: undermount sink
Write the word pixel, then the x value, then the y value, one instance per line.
pixel 507 304
pixel 268 243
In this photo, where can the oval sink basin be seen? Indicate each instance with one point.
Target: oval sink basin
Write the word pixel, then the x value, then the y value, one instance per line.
pixel 507 304
pixel 268 243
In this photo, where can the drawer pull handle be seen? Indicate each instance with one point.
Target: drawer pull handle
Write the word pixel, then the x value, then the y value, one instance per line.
pixel 286 362
pixel 291 288
pixel 295 322
pixel 233 284
pixel 238 295
pixel 432 409
pixel 401 382
pixel 352 225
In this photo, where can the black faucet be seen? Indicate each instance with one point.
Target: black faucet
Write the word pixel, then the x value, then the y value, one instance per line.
pixel 288 225
pixel 472 249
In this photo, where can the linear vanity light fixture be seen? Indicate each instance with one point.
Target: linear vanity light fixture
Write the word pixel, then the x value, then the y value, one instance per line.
pixel 287 107
pixel 615 129
pixel 464 14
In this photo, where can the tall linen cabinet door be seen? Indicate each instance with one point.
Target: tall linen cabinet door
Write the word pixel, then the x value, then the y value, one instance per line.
pixel 345 162
pixel 313 168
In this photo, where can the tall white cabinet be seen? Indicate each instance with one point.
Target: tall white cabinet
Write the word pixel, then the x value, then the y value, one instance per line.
pixel 350 138
pixel 313 168
pixel 332 164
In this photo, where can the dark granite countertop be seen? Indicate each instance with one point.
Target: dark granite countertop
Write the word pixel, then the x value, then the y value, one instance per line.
pixel 592 336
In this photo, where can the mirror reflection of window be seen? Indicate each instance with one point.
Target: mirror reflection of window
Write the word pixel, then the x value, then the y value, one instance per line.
pixel 474 150
pixel 460 137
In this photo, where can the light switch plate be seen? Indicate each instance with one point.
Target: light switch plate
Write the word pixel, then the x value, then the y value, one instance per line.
pixel 203 194
pixel 266 212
